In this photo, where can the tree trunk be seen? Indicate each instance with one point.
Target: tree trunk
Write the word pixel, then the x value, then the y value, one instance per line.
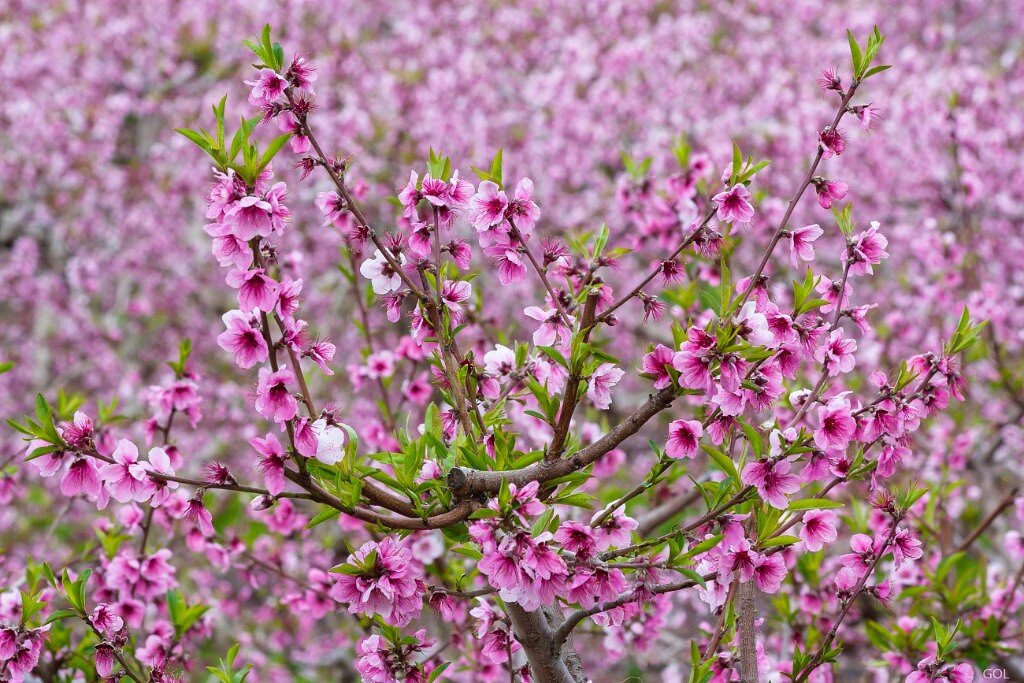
pixel 534 633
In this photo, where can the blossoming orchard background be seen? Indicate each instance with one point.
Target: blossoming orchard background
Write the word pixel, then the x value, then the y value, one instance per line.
pixel 107 270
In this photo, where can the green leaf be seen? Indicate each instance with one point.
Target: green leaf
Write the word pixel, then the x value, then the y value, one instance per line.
pixel 325 513
pixel 60 615
pixel 814 504
pixel 855 53
pixel 723 461
pixel 778 540
pixel 6 367
pixel 272 149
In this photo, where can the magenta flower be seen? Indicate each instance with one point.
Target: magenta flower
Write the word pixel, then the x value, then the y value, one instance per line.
pixel 511 265
pixel 126 477
pixel 273 458
pixel 818 530
pixel 243 339
pixel 831 142
pixel 769 572
pixel 801 243
pixel 867 249
pixel 837 355
pixel 734 206
pixel 105 619
pixel 255 288
pixel 196 514
pixel 380 578
pixel 684 438
pixel 82 478
pixel 577 538
pixel 656 363
pixel 694 358
pixel 77 433
pixel 829 191
pixel 599 388
pixel 268 87
pixel 274 400
pixel 739 560
pixel 522 211
pixel 837 425
pixel 772 480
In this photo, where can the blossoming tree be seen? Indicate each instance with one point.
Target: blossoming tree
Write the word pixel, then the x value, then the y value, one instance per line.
pixel 513 500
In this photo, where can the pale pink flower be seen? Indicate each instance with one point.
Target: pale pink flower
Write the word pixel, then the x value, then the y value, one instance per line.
pixel 801 243
pixel 127 479
pixel 599 388
pixel 380 273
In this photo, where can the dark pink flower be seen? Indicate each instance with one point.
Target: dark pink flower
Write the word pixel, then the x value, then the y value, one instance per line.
pixel 657 363
pixel 243 339
pixel 683 438
pixel 772 480
pixel 380 578
pixel 836 425
pixel 829 191
pixel 831 142
pixel 734 206
pixel 819 529
pixel 255 288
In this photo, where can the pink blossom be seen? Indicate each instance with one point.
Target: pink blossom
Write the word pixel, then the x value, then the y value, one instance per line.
pixel 379 578
pixel 243 338
pixel 683 438
pixel 837 356
pixel 522 210
pixel 819 529
pixel 273 458
pixel 769 572
pixel 268 87
pixel 656 363
pixel 829 191
pixel 82 478
pixel 801 243
pixel 510 263
pixel 772 480
pixel 255 289
pixel 836 425
pixel 867 249
pixel 615 531
pixel 599 387
pixel 551 328
pixel 380 273
pixel 831 141
pixel 126 477
pixel 734 206
pixel 274 400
